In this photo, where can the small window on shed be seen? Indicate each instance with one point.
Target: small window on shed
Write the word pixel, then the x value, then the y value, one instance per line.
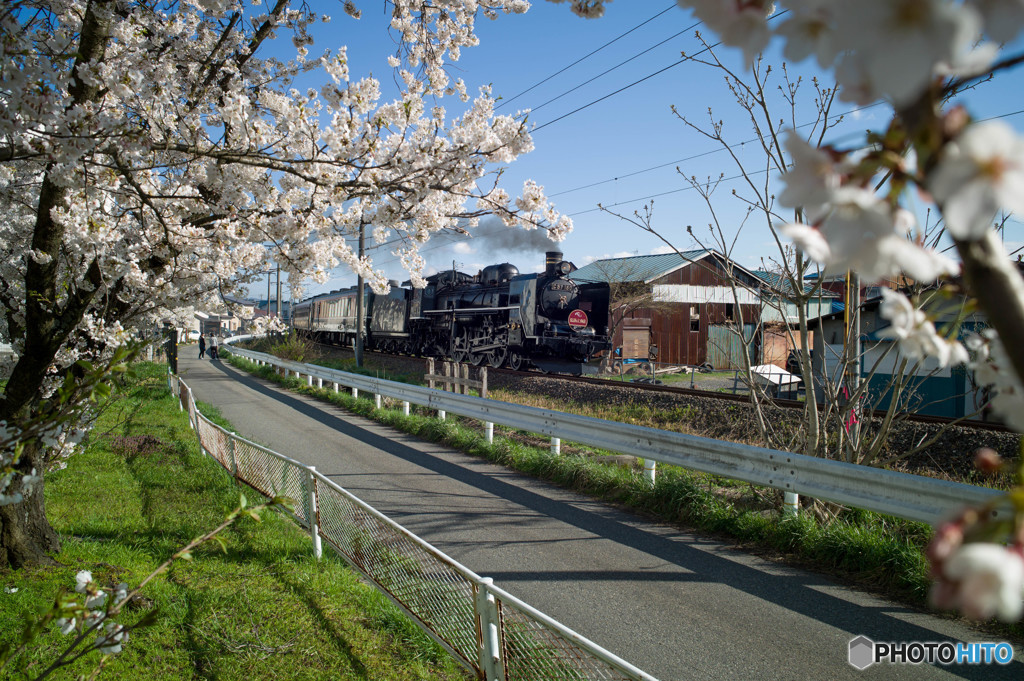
pixel 694 318
pixel 728 312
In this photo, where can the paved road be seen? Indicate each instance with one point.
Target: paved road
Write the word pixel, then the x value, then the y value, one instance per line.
pixel 677 605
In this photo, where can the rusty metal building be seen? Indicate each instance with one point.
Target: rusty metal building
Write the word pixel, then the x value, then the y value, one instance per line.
pixel 696 304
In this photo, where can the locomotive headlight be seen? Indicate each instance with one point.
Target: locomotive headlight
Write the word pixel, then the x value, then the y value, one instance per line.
pixel 564 267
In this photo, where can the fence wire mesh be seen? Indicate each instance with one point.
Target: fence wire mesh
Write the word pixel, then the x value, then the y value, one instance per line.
pixel 532 650
pixel 273 476
pixel 429 588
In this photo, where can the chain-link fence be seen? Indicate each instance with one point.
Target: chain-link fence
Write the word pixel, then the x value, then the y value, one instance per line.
pixel 495 635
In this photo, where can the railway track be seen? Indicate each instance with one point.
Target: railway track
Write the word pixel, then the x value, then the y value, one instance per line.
pixel 417 363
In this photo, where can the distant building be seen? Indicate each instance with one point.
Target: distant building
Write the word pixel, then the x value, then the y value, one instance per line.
pixel 928 388
pixel 684 303
pixel 780 318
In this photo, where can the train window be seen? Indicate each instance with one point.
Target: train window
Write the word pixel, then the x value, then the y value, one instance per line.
pixel 513 299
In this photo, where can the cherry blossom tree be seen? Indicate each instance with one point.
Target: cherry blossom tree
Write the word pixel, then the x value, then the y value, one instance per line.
pixel 150 154
pixel 913 54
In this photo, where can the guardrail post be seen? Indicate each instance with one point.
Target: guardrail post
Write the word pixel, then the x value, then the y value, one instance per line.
pixel 319 382
pixel 489 432
pixel 489 651
pixel 405 408
pixel 441 414
pixel 790 503
pixel 313 513
pixel 377 401
pixel 355 393
pixel 309 380
pixel 556 446
pixel 649 469
pixel 335 387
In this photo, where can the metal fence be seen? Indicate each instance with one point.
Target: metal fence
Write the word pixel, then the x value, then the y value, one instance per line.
pixel 899 494
pixel 492 633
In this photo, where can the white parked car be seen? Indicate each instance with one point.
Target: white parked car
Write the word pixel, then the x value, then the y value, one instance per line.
pixel 192 336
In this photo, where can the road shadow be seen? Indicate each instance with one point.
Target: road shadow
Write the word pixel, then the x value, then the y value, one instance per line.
pixel 795 590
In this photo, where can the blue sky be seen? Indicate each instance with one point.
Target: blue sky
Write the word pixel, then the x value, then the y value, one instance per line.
pixel 619 151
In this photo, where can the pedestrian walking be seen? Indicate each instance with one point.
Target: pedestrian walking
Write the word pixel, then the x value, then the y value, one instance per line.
pixel 213 348
pixel 202 345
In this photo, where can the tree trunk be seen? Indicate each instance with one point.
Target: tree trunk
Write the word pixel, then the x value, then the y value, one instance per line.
pixel 26 537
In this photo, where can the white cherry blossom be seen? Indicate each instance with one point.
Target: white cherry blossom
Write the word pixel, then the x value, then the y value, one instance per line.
pixel 915 333
pixel 901 42
pixel 979 173
pixel 987 580
pixel 992 367
pixel 739 23
pixel 857 230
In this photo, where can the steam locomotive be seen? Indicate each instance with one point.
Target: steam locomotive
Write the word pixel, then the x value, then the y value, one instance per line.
pixel 498 316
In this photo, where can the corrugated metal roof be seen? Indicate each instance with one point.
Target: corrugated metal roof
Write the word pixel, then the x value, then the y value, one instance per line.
pixel 645 268
pixel 780 283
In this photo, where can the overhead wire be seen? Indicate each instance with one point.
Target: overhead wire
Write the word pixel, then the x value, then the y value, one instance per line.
pixel 584 57
pixel 741 175
pixel 695 156
pixel 621 63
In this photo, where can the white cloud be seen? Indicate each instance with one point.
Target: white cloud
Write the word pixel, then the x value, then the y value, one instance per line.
pixel 662 250
pixel 462 248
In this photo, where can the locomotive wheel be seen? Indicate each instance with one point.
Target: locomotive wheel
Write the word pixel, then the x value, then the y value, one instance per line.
pixel 460 348
pixel 476 358
pixel 515 360
pixel 497 357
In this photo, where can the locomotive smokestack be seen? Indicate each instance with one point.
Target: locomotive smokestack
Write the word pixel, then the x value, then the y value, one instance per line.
pixel 551 260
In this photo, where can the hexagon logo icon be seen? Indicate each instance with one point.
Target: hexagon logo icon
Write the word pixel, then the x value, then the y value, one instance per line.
pixel 862 652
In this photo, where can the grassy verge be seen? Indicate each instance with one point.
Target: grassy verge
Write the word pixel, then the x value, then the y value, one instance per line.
pixel 264 608
pixel 878 552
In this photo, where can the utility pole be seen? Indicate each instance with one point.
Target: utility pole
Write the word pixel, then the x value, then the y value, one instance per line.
pixel 278 291
pixel 360 288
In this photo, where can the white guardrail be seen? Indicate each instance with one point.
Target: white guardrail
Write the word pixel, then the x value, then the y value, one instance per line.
pixel 491 632
pixel 903 495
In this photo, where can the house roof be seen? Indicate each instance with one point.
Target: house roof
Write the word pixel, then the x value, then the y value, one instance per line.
pixel 638 268
pixel 781 283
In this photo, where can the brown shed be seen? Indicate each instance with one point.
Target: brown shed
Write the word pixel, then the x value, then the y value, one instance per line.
pixel 695 313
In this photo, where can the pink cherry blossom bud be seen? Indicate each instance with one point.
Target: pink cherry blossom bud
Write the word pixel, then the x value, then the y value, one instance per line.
pixel 955 121
pixel 987 460
pixel 948 538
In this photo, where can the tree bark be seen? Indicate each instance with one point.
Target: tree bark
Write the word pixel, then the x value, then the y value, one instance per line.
pixel 26 537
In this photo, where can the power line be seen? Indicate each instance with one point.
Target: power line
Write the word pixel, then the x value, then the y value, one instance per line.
pixel 609 95
pixel 621 63
pixel 641 80
pixel 736 177
pixel 695 156
pixel 587 56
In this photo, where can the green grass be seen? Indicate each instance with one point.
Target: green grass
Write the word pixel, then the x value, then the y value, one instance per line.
pixel 265 608
pixel 878 552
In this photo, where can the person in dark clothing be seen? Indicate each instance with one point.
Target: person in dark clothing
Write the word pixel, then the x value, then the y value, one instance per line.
pixel 202 345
